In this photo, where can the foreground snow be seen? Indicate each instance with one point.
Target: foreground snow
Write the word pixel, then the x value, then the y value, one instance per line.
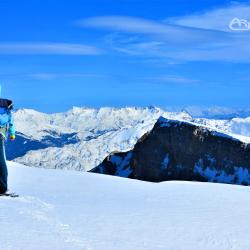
pixel 60 210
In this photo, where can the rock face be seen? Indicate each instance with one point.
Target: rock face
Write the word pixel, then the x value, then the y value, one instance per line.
pixel 175 150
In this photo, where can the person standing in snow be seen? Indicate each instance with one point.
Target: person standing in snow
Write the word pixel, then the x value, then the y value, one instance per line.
pixel 7 129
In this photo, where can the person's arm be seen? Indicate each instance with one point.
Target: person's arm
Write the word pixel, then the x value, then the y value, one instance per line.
pixel 12 129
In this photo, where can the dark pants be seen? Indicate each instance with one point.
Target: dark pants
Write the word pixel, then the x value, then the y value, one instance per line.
pixel 3 167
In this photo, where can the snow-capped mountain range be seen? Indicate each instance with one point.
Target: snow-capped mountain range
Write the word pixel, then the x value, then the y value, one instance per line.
pixel 81 138
pixel 217 112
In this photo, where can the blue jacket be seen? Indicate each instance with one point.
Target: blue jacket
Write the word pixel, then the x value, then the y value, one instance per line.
pixel 6 121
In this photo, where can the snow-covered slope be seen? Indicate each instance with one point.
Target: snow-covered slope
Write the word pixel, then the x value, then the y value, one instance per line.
pixel 81 138
pixel 67 210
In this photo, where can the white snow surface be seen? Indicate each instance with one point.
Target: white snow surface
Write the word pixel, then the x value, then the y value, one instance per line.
pixel 69 210
pixel 102 131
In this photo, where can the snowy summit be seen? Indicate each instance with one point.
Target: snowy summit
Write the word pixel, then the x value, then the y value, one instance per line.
pixel 86 211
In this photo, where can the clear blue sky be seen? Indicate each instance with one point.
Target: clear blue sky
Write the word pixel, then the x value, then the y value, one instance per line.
pixel 59 54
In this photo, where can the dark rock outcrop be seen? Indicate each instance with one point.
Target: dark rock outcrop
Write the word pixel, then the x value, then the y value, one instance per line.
pixel 176 150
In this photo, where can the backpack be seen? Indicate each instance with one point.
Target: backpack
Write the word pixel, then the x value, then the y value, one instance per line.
pixel 6 103
pixel 5 108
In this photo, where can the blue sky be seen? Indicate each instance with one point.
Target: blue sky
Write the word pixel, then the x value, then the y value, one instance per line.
pixel 59 54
